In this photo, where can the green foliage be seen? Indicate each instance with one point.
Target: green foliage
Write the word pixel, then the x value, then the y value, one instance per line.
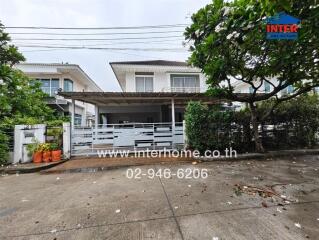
pixel 294 124
pixel 21 99
pixel 228 39
pixel 299 120
pixel 196 119
pixel 34 147
pixel 4 149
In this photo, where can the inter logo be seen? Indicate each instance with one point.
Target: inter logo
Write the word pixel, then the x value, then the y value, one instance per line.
pixel 282 26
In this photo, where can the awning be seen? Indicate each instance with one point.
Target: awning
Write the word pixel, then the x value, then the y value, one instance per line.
pixel 123 98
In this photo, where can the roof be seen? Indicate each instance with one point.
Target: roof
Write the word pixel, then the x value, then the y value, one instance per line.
pixel 63 66
pixel 283 18
pixel 153 63
pixel 128 98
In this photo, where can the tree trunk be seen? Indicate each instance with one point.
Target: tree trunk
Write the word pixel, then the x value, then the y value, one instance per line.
pixel 258 142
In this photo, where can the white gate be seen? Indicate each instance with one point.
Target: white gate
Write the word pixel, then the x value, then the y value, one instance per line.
pixel 130 136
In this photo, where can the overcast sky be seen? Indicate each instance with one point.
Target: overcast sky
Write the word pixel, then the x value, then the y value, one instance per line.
pixel 98 13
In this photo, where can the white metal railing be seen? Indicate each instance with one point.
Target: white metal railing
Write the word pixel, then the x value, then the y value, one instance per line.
pixel 183 89
pixel 87 140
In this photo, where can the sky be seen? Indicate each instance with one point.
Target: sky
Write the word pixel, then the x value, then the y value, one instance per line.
pixel 99 13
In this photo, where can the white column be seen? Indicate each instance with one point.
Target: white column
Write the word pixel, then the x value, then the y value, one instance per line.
pixel 96 124
pixel 173 119
pixel 72 113
pixel 66 140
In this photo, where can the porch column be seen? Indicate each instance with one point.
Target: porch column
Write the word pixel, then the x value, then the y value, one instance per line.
pixel 96 123
pixel 72 114
pixel 173 119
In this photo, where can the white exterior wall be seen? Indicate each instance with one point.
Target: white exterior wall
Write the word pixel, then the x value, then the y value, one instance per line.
pixel 162 79
pixel 81 82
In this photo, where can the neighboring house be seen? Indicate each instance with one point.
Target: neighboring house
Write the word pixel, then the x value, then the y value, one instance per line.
pixel 241 87
pixel 58 77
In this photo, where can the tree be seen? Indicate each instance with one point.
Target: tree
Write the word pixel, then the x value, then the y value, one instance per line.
pixel 21 99
pixel 228 42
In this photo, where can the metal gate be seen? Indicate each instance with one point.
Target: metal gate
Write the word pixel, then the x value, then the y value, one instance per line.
pixel 131 136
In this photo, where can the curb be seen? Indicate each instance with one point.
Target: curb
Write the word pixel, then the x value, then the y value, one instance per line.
pixel 262 156
pixel 23 170
pixel 101 168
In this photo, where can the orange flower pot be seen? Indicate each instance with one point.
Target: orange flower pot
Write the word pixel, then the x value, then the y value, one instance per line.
pixel 46 157
pixel 37 157
pixel 56 155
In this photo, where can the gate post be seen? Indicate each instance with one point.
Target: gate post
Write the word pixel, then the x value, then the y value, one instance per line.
pixel 67 140
pixel 184 135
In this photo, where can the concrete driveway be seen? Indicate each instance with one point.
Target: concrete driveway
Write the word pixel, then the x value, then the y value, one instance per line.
pixel 108 205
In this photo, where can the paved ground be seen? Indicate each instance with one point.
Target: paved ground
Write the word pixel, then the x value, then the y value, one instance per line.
pixel 83 164
pixel 107 205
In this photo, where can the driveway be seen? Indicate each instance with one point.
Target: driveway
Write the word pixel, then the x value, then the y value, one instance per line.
pixel 108 205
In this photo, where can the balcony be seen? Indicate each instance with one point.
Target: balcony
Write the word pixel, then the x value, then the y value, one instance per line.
pixel 183 89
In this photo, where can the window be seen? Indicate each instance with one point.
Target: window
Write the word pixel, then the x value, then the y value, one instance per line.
pixel 185 83
pixel 55 85
pixel 68 85
pixel 290 89
pixel 267 87
pixel 251 90
pixel 50 86
pixel 77 119
pixel 144 83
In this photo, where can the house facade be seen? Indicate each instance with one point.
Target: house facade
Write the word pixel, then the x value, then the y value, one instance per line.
pixel 58 77
pixel 147 113
pixel 152 77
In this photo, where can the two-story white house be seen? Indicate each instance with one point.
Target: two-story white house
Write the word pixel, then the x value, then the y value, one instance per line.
pixel 57 77
pixel 148 112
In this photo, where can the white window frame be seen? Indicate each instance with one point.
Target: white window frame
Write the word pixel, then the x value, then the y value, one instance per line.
pixel 144 85
pixel 185 75
pixel 50 87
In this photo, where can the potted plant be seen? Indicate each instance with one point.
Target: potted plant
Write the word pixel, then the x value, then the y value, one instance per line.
pixel 46 150
pixel 56 152
pixel 35 151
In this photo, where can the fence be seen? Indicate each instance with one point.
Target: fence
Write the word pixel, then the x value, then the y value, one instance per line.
pixel 130 136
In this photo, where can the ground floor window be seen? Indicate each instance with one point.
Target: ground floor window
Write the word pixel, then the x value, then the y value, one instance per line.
pixel 77 120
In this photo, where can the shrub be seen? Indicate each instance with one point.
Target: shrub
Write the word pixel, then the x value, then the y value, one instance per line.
pixel 4 149
pixel 294 123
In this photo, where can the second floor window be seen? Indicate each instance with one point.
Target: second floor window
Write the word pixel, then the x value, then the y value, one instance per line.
pixel 68 85
pixel 50 86
pixel 185 83
pixel 267 87
pixel 144 83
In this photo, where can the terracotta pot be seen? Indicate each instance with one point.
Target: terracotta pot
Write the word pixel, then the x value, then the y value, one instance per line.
pixel 56 155
pixel 46 157
pixel 37 157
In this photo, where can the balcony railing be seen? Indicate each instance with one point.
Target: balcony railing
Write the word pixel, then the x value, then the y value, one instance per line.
pixel 183 89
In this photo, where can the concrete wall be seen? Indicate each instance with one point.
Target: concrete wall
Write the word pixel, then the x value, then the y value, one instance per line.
pixel 162 81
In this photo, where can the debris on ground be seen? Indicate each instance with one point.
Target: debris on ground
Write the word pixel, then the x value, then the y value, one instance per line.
pixel 194 163
pixel 264 204
pixel 298 225
pixel 268 192
pixel 53 231
pixel 117 211
pixel 204 188
pixel 229 203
